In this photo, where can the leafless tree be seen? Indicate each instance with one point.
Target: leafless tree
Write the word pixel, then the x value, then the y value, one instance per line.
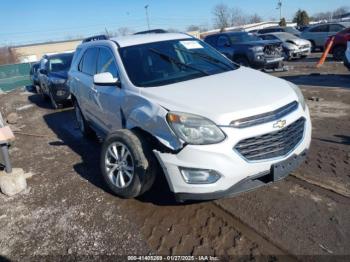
pixel 222 16
pixel 8 55
pixel 341 11
pixel 255 18
pixel 237 17
pixel 193 28
pixel 172 30
pixel 123 31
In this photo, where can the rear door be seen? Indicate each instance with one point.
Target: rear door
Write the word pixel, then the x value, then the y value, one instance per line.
pixel 107 100
pixel 319 34
pixel 224 45
pixel 86 71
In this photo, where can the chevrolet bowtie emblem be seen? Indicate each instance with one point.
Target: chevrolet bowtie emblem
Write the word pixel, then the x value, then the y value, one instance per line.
pixel 280 124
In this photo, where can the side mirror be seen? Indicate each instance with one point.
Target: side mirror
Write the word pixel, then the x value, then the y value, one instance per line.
pixel 105 79
pixel 43 71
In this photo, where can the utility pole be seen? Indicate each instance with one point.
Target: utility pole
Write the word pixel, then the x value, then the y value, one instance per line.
pixel 279 6
pixel 147 16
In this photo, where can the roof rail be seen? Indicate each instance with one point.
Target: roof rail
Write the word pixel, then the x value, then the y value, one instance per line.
pixel 95 38
pixel 153 31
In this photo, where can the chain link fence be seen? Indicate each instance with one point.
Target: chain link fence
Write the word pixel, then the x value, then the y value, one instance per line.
pixel 14 76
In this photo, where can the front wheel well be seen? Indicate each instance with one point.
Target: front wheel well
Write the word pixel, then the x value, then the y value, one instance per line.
pixel 152 140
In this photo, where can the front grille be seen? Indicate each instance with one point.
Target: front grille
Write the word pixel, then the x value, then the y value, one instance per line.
pixel 271 145
pixel 265 117
pixel 272 50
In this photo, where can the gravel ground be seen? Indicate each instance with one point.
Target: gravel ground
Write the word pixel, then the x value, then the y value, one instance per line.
pixel 67 211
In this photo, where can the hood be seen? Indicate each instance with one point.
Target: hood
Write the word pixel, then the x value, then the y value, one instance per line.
pixel 263 42
pixel 224 97
pixel 59 74
pixel 299 42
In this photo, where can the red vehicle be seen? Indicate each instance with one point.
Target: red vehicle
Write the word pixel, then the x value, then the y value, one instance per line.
pixel 339 46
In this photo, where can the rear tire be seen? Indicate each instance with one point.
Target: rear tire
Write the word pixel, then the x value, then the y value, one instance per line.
pixel 313 46
pixel 339 53
pixel 128 164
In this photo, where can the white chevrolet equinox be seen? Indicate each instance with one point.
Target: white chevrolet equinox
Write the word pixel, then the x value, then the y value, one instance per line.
pixel 171 102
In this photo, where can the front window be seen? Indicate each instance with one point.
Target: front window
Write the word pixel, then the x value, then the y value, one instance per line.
pixel 60 63
pixel 172 61
pixel 242 38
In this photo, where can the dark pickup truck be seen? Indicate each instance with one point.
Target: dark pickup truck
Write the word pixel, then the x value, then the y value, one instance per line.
pixel 248 49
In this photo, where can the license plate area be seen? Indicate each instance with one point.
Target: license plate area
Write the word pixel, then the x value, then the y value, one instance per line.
pixel 282 169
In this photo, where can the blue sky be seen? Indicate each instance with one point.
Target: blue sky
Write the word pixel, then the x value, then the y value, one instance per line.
pixel 30 21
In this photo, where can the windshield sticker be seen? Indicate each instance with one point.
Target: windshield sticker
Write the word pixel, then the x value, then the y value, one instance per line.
pixel 191 44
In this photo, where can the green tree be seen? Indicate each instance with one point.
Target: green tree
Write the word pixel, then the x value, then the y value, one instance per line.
pixel 301 18
pixel 283 22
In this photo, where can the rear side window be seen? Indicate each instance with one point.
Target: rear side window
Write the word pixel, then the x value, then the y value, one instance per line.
pixel 268 37
pixel 223 41
pixel 335 28
pixel 88 62
pixel 319 29
pixel 106 62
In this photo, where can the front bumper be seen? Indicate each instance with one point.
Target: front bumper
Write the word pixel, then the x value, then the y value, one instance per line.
pixel 261 61
pixel 299 52
pixel 237 174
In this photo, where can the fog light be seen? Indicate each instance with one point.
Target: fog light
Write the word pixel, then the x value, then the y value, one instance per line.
pixel 199 176
pixel 60 93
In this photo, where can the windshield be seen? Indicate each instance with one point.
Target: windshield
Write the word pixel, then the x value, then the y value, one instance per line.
pixel 241 38
pixel 60 63
pixel 286 36
pixel 173 61
pixel 291 30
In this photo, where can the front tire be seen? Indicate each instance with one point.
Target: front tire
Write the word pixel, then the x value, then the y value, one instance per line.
pixel 128 164
pixel 339 53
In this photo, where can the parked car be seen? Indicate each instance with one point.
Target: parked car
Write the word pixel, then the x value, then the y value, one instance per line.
pixel 274 29
pixel 339 45
pixel 171 102
pixel 53 77
pixel 318 34
pixel 302 28
pixel 248 49
pixel 34 74
pixel 293 46
pixel 347 56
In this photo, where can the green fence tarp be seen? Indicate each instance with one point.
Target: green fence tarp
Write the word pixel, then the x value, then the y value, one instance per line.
pixel 14 76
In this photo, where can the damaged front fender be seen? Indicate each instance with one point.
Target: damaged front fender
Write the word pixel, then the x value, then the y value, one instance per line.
pixel 152 119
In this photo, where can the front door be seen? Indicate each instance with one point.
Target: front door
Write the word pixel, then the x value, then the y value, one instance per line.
pixel 107 100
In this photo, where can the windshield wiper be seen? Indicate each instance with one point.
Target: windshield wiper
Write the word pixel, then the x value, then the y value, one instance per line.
pixel 206 57
pixel 177 62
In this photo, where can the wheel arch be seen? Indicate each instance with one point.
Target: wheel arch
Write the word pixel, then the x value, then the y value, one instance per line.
pixel 150 120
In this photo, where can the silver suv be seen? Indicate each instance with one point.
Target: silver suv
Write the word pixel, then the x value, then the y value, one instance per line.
pixel 171 102
pixel 319 33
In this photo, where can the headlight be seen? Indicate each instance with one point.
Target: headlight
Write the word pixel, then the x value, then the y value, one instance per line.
pixel 257 49
pixel 57 81
pixel 194 129
pixel 299 94
pixel 290 46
